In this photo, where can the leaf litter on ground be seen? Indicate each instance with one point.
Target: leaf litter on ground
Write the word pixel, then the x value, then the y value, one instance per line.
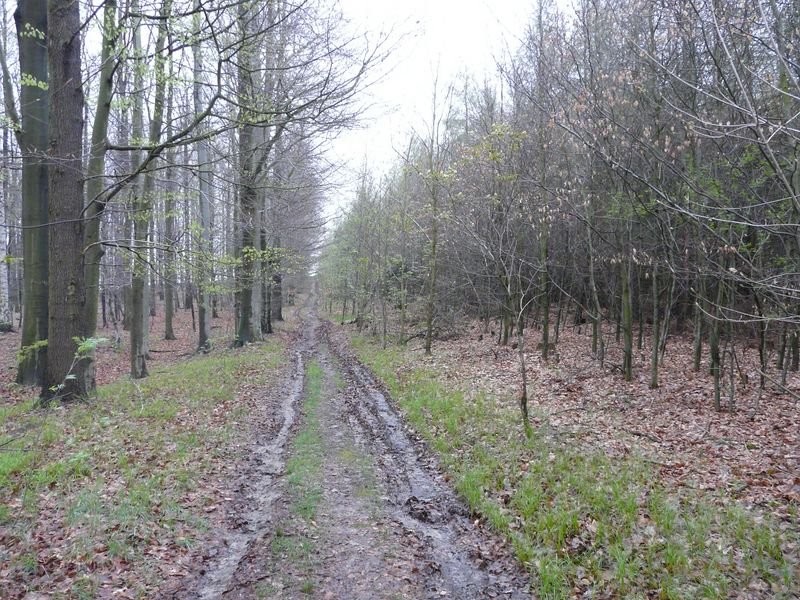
pixel 111 495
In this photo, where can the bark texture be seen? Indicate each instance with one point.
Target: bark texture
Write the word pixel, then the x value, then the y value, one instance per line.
pixel 68 374
pixel 31 22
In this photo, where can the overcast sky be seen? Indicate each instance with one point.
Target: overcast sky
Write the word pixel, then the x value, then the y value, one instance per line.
pixel 448 36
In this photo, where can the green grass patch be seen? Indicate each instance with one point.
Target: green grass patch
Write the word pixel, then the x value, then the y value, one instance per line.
pixel 582 522
pixel 13 461
pixel 125 469
pixel 10 413
pixel 304 466
pixel 304 486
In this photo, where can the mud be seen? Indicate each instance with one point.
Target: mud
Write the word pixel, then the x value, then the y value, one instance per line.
pixel 464 561
pixel 385 525
pixel 258 493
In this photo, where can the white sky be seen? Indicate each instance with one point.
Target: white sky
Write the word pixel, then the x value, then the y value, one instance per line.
pixel 448 36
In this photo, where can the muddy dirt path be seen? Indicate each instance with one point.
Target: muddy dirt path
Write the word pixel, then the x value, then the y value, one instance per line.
pixel 338 500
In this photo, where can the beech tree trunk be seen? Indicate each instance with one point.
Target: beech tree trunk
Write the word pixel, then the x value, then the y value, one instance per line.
pixel 266 283
pixel 169 254
pixel 33 140
pixel 276 302
pixel 714 340
pixel 247 189
pixel 169 227
pixel 598 343
pixel 545 295
pixel 142 218
pixel 95 182
pixel 431 303
pixel 204 192
pixel 244 272
pixel 656 325
pixel 523 371
pixel 627 320
pixel 68 374
pixel 6 317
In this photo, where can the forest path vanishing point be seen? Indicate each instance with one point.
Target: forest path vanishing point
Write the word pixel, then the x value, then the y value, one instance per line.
pixel 337 499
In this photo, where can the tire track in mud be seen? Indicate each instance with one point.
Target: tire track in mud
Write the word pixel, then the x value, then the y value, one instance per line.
pixel 365 556
pixel 418 498
pixel 256 489
pixel 258 492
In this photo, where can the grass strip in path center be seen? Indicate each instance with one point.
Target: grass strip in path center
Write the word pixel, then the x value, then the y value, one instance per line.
pixel 304 466
pixel 295 541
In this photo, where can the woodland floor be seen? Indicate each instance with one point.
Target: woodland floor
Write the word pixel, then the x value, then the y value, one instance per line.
pixel 287 471
pixel 753 454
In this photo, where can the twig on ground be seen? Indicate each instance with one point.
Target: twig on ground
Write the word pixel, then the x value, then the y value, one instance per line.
pixel 644 434
pixel 9 440
pixel 657 462
pixel 704 434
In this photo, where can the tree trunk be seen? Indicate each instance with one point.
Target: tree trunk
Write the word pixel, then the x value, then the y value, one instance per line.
pixel 267 295
pixel 205 250
pixel 170 272
pixel 523 396
pixel 33 140
pixel 667 318
pixel 144 207
pixel 153 284
pixel 781 358
pixel 714 338
pixel 6 318
pixel 247 186
pixel 269 298
pixel 641 305
pixel 545 297
pixel 506 330
pixel 138 310
pixel 6 304
pixel 697 347
pixel 69 375
pixel 432 272
pixel 259 269
pixel 559 316
pixel 276 301
pixel 244 271
pixel 654 349
pixel 627 320
pixel 598 344
pixel 763 353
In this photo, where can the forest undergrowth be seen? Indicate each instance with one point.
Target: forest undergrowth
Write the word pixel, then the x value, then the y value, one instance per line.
pixel 111 494
pixel 622 491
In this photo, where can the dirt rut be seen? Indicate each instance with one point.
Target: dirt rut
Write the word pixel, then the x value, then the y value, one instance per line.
pixel 460 560
pixel 382 522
